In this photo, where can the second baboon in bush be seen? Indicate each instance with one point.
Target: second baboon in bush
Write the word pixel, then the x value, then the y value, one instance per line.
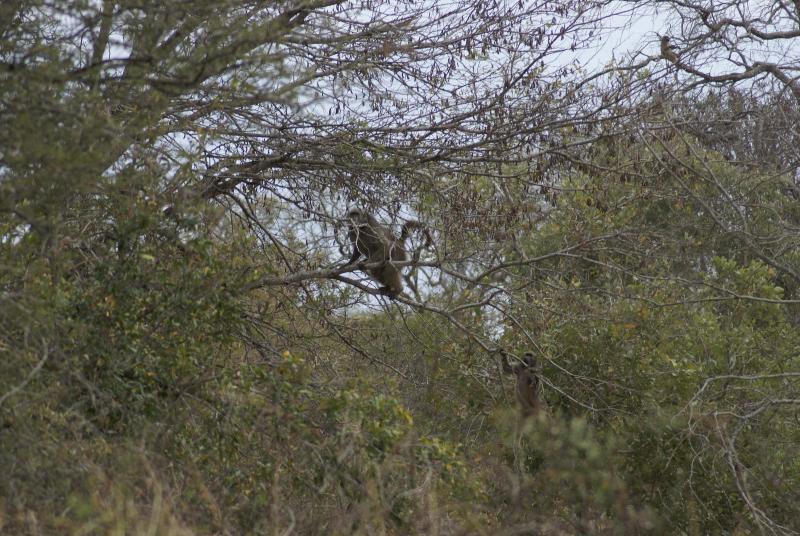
pixel 528 388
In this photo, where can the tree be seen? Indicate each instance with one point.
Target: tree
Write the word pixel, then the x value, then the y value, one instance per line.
pixel 182 345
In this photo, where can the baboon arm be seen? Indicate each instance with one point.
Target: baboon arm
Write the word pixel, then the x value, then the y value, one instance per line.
pixel 352 234
pixel 507 367
pixel 355 256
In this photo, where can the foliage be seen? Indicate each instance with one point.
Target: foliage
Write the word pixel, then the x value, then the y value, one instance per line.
pixel 184 351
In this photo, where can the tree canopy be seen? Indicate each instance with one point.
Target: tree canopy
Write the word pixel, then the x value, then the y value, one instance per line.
pixel 611 186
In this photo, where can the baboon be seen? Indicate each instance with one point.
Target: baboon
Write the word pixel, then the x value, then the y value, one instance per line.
pixel 377 243
pixel 668 50
pixel 528 386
